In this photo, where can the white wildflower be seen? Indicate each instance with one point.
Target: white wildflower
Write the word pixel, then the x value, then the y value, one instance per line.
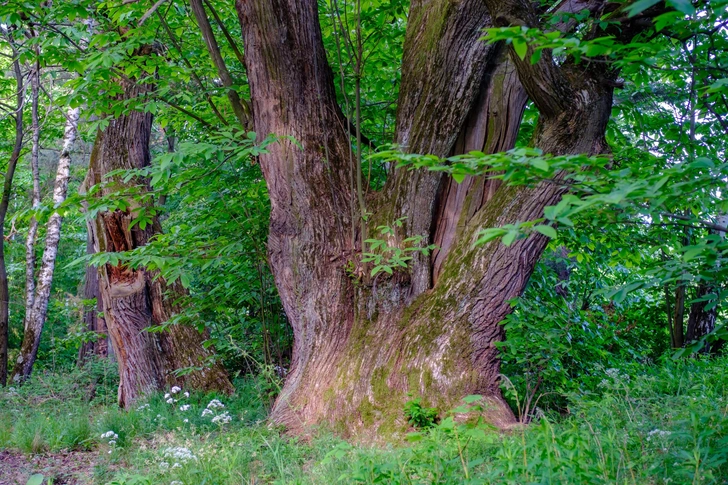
pixel 176 482
pixel 170 401
pixel 179 453
pixel 658 432
pixel 187 394
pixel 207 412
pixel 164 465
pixel 215 404
pixel 185 407
pixel 176 465
pixel 110 435
pixel 187 420
pixel 613 373
pixel 223 418
pixel 143 407
pixel 175 390
pixel 167 396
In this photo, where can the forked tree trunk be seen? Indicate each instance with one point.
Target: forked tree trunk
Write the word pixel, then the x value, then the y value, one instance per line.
pixel 361 344
pixel 36 314
pixel 136 299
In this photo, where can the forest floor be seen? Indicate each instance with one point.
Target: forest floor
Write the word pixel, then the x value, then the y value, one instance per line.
pixel 645 424
pixel 65 467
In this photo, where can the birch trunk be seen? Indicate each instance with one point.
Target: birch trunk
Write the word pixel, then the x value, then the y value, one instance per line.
pixel 37 317
pixel 30 258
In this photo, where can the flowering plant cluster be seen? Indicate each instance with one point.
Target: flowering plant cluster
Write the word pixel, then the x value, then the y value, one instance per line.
pixel 112 439
pixel 218 417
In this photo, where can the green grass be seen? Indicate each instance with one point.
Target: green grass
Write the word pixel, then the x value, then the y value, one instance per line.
pixel 655 424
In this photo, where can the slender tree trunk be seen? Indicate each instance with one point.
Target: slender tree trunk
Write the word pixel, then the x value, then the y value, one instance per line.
pixel 701 321
pixel 92 321
pixel 240 107
pixel 4 204
pixel 136 299
pixel 36 318
pixel 30 259
pixel 678 318
pixel 361 344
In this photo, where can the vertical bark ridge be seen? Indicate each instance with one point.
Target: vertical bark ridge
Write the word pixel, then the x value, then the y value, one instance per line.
pixel 492 127
pixel 443 67
pixel 309 239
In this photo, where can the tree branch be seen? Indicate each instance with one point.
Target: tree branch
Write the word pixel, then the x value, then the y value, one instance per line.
pixel 240 107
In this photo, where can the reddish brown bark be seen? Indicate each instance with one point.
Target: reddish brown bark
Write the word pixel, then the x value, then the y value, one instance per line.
pixel 133 299
pixel 362 344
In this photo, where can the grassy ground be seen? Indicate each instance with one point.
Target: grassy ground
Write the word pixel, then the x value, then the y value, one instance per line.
pixel 657 424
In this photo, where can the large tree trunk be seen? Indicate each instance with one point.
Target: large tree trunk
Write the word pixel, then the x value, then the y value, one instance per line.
pixel 362 345
pixel 4 204
pixel 36 315
pixel 136 299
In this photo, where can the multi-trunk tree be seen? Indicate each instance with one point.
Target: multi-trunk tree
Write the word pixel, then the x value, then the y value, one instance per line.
pixel 362 343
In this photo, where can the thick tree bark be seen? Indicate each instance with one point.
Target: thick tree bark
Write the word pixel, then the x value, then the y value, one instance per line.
pixel 4 204
pixel 36 314
pixel 136 299
pixel 362 345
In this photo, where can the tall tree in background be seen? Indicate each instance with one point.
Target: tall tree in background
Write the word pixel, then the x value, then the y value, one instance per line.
pixel 136 299
pixel 17 115
pixel 30 258
pixel 362 344
pixel 93 319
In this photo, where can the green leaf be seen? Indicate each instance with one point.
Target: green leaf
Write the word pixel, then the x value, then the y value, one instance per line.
pixel 36 479
pixel 472 398
pixel 684 6
pixel 640 6
pixel 509 238
pixel 520 47
pixel 692 253
pixel 547 231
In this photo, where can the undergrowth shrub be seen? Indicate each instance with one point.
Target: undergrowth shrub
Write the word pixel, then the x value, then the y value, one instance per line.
pixel 647 424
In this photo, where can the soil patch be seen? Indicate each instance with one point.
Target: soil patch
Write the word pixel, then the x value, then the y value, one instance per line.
pixel 65 468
